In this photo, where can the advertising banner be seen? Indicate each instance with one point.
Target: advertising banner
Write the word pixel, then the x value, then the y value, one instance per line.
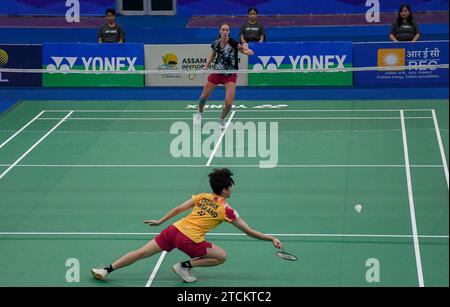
pixel 401 54
pixel 20 56
pixel 54 7
pixel 302 56
pixel 93 57
pixel 291 7
pixel 182 57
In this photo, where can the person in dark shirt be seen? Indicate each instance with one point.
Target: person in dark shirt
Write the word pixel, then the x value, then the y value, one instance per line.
pixel 252 31
pixel 225 56
pixel 405 28
pixel 111 32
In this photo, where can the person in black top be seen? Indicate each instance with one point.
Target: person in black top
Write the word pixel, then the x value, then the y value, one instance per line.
pixel 252 31
pixel 111 32
pixel 405 28
pixel 225 56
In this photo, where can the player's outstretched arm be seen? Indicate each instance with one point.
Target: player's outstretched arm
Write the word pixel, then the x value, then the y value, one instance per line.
pixel 243 226
pixel 174 212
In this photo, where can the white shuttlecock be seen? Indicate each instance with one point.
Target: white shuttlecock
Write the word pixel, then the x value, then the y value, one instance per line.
pixel 358 208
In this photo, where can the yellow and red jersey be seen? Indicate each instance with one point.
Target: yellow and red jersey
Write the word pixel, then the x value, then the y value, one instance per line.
pixel 209 211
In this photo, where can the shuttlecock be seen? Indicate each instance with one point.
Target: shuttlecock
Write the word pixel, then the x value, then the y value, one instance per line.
pixel 358 208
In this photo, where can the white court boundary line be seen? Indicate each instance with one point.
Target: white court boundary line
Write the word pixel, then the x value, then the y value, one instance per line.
pixel 411 204
pixel 243 118
pixel 240 110
pixel 228 165
pixel 34 146
pixel 156 269
pixel 441 146
pixel 219 142
pixel 218 234
pixel 19 131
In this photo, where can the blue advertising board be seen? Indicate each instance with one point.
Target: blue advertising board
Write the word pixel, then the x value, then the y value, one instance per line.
pixel 54 7
pixel 302 56
pixel 90 58
pixel 20 56
pixel 276 7
pixel 401 54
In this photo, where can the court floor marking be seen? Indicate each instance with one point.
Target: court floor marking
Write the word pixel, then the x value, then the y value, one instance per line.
pixel 441 146
pixel 411 203
pixel 402 118
pixel 220 165
pixel 232 234
pixel 240 118
pixel 156 269
pixel 19 131
pixel 240 110
pixel 34 146
pixel 219 142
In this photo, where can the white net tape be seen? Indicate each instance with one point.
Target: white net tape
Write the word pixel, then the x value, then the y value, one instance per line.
pixel 241 71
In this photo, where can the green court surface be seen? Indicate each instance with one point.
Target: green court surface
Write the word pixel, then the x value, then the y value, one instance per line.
pixel 81 187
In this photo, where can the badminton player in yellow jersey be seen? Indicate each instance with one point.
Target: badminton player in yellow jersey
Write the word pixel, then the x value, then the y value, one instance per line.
pixel 188 234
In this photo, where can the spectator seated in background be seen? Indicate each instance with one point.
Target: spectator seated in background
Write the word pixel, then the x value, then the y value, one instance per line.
pixel 111 32
pixel 405 28
pixel 252 31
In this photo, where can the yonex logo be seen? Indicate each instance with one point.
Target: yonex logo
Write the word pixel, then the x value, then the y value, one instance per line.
pixel 65 64
pixel 301 62
pixel 265 65
pixel 69 62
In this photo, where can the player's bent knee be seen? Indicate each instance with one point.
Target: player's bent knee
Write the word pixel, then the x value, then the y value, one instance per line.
pixel 222 257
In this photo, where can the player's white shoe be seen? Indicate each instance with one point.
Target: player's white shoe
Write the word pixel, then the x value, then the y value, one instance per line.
pixel 197 118
pixel 184 273
pixel 223 124
pixel 99 274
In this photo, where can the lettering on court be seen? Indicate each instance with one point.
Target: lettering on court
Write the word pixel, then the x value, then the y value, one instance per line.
pixel 237 107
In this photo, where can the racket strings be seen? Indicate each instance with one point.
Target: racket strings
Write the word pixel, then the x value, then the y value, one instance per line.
pixel 287 256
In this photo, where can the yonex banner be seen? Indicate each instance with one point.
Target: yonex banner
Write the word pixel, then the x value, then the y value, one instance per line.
pixel 20 56
pixel 182 57
pixel 93 57
pixel 307 56
pixel 401 54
